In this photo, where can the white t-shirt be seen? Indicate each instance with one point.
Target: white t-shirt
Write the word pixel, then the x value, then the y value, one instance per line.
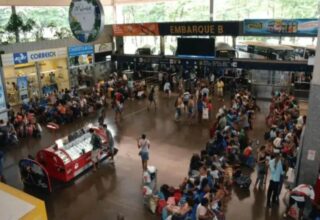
pixel 166 86
pixel 300 192
pixel 201 210
pixel 144 145
pixel 277 142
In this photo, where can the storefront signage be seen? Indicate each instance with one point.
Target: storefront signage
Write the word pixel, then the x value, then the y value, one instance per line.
pixel 42 55
pixel 281 27
pixel 32 56
pixel 136 29
pixel 20 58
pixel 200 28
pixel 178 28
pixel 78 50
pixel 86 19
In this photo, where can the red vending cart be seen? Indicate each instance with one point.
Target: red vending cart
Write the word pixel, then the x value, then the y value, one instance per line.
pixel 71 155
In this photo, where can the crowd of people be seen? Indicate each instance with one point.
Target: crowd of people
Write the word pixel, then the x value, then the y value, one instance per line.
pixel 66 106
pixel 213 171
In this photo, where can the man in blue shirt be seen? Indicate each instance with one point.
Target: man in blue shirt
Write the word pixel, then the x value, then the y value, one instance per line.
pixel 276 171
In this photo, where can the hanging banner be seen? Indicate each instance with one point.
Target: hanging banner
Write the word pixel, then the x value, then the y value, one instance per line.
pixel 230 28
pixel 22 83
pixel 3 105
pixel 135 29
pixel 281 27
pixel 86 19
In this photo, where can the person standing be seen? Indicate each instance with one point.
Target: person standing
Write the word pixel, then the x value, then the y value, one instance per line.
pixel 144 147
pixel 261 167
pixel 1 166
pixel 220 86
pixel 299 195
pixel 191 107
pixel 151 98
pixel 276 171
pixel 96 148
pixel 110 142
pixel 167 88
pixel 179 107
pixel 200 107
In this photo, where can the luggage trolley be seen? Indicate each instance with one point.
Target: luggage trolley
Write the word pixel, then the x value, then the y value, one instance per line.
pixel 149 185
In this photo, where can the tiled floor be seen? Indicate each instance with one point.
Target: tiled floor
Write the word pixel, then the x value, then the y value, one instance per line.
pixel 113 190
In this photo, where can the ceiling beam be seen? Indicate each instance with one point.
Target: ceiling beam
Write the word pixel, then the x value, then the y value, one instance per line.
pixel 67 2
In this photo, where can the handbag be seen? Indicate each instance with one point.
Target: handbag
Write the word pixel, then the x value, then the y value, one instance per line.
pixel 205 113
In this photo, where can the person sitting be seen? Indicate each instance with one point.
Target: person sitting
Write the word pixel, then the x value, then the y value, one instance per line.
pixel 299 195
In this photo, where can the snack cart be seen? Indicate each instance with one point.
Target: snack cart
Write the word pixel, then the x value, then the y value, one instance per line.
pixel 63 161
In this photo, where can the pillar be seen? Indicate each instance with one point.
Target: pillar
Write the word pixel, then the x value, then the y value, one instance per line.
pixel 162 45
pixel 309 154
pixel 234 42
pixel 211 10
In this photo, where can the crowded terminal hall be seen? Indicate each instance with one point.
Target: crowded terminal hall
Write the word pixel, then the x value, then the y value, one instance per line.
pixel 159 110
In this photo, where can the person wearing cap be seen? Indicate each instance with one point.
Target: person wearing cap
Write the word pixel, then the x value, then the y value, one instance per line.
pixel 299 195
pixel 276 170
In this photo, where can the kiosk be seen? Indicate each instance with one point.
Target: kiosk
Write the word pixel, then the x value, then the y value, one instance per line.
pixel 63 161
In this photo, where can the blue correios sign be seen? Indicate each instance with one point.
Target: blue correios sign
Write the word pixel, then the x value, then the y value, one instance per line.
pixel 20 58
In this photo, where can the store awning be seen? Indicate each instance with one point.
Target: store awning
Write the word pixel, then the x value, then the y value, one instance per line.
pixel 67 2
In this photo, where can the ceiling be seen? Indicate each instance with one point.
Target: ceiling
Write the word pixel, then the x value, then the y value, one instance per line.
pixel 67 2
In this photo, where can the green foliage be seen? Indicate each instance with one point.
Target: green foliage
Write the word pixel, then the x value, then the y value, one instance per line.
pixel 15 23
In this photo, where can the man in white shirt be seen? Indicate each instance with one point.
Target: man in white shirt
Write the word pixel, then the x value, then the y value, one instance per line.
pixel 299 195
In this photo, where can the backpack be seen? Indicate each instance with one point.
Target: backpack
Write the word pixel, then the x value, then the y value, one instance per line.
pixel 243 181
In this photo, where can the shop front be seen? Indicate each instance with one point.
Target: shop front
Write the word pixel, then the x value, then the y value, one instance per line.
pixel 81 65
pixel 102 58
pixel 34 74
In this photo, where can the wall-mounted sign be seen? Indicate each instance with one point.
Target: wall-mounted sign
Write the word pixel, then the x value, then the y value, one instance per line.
pixel 78 50
pixel 136 29
pixel 3 105
pixel 22 83
pixel 281 27
pixel 81 55
pixel 42 55
pixel 32 56
pixel 178 28
pixel 86 19
pixel 20 58
pixel 101 48
pixel 200 28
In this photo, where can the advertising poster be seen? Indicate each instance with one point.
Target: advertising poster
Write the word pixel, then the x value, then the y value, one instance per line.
pixel 281 27
pixel 3 105
pixel 151 29
pixel 81 55
pixel 22 83
pixel 86 19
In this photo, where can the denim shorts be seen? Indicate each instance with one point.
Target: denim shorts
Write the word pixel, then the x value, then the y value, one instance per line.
pixel 144 155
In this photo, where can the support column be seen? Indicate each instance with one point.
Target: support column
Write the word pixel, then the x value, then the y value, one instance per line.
pixel 307 169
pixel 38 70
pixel 211 10
pixel 234 42
pixel 162 46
